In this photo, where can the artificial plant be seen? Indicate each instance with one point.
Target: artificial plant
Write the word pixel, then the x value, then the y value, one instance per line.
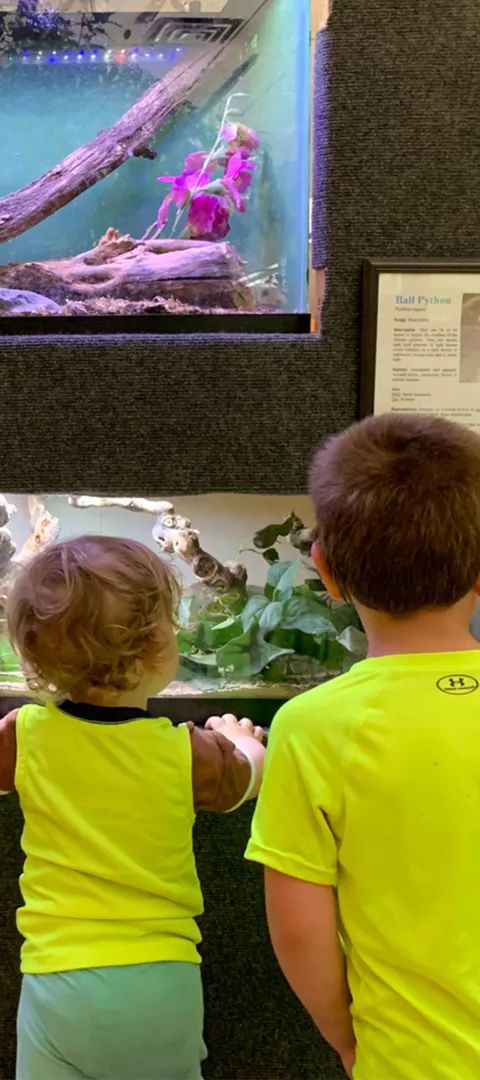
pixel 291 631
pixel 212 183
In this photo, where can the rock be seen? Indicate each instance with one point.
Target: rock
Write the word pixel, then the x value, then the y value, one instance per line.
pixel 21 302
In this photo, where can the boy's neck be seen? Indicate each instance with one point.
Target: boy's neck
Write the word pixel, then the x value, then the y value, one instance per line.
pixel 439 630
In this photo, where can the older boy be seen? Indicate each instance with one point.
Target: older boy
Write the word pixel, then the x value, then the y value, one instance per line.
pixel 368 823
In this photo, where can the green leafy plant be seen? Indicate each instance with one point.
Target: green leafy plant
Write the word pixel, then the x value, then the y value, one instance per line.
pixel 289 632
pixel 10 670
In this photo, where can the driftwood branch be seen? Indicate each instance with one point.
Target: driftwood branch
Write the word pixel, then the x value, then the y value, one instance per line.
pixel 130 136
pixel 123 268
pixel 300 537
pixel 140 506
pixel 174 535
pixel 185 543
pixel 45 530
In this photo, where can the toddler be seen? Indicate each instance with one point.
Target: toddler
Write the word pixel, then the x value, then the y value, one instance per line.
pixel 111 985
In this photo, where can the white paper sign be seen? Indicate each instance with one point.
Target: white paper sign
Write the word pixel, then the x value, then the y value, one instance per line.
pixel 428 345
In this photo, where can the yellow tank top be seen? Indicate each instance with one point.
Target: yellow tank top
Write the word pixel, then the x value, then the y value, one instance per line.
pixel 109 876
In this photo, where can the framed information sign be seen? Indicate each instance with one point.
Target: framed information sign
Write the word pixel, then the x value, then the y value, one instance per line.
pixel 421 338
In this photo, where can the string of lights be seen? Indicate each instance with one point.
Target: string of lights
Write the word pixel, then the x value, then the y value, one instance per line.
pixel 92 56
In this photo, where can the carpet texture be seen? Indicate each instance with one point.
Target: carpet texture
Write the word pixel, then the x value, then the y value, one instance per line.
pixel 397 151
pixel 397 145
pixel 150 414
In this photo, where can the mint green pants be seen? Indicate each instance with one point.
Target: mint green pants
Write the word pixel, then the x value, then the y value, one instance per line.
pixel 142 1022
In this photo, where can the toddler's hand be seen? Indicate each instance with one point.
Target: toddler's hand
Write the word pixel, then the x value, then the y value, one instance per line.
pixel 229 726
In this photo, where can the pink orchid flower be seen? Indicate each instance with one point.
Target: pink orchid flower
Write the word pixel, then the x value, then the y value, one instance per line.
pixel 240 137
pixel 195 161
pixel 209 210
pixel 208 218
pixel 229 132
pixel 182 187
pixel 237 179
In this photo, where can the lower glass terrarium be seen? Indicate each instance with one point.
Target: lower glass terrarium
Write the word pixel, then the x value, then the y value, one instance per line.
pixel 257 623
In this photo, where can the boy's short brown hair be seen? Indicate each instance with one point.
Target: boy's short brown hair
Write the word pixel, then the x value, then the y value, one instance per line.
pixel 397 500
pixel 87 615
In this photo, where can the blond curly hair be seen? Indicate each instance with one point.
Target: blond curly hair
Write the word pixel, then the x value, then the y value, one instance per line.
pixel 89 615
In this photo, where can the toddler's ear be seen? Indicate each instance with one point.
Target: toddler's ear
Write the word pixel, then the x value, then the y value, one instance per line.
pixel 321 565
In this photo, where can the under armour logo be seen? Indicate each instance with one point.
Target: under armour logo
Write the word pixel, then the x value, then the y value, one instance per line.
pixel 457 684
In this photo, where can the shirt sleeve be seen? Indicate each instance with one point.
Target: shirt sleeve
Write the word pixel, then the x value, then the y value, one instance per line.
pixel 8 752
pixel 300 794
pixel 222 776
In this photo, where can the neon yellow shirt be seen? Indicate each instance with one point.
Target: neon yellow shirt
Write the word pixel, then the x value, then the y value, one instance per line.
pixel 109 876
pixel 372 785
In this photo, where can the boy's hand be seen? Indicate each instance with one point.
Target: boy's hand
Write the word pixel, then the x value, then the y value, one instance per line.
pixel 348 1061
pixel 303 922
pixel 229 726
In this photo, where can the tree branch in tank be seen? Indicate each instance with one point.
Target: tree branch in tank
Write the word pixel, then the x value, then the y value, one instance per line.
pixel 130 136
pixel 44 530
pixel 175 536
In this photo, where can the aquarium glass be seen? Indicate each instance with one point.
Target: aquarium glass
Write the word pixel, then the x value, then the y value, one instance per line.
pixel 254 617
pixel 154 159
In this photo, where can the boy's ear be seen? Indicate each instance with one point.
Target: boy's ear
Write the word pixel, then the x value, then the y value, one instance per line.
pixel 476 587
pixel 321 565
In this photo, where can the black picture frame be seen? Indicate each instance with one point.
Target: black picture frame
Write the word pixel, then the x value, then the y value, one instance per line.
pixel 371 272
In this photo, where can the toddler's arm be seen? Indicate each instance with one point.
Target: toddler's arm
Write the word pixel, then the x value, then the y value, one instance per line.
pixel 8 752
pixel 227 763
pixel 303 924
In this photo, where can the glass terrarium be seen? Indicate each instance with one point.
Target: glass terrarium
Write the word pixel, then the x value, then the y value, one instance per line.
pixel 155 158
pixel 254 619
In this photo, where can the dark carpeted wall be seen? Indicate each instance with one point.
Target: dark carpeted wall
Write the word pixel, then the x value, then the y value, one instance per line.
pixel 398 165
pixel 397 152
pixel 398 174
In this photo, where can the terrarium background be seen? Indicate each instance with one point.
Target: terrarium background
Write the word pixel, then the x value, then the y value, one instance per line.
pixel 225 523
pixel 256 647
